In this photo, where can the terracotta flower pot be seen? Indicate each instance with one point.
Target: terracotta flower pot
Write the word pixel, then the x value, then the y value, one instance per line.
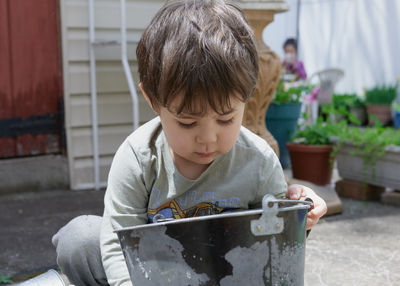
pixel 382 111
pixel 311 162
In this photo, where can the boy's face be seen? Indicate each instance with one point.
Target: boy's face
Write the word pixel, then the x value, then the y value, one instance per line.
pixel 195 141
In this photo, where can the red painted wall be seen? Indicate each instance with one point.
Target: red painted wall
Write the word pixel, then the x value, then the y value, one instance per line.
pixel 30 71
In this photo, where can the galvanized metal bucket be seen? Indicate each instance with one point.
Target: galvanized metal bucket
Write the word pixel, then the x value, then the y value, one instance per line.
pixel 254 247
pixel 49 278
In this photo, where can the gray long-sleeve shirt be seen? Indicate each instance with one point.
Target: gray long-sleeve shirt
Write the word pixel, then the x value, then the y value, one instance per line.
pixel 143 182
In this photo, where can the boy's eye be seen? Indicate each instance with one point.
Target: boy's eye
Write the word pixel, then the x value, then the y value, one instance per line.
pixel 225 122
pixel 187 125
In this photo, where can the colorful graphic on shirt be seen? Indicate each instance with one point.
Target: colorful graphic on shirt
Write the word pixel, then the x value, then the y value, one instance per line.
pixel 202 203
pixel 172 209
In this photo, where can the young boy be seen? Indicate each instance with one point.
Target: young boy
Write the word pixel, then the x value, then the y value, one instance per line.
pixel 198 66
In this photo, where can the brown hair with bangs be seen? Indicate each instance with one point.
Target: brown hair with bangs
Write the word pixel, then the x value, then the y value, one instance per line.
pixel 203 49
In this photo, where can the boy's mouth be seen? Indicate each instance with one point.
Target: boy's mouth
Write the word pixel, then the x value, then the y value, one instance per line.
pixel 205 155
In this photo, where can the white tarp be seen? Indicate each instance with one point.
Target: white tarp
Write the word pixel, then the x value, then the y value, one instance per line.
pixel 362 37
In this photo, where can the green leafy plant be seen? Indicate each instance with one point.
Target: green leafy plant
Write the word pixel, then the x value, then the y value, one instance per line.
pixel 320 133
pixel 383 94
pixel 347 101
pixel 356 101
pixel 347 115
pixel 341 108
pixel 5 279
pixel 291 94
pixel 370 143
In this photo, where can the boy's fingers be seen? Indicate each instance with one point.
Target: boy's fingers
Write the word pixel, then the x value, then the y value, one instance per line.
pixel 314 215
pixel 312 219
pixel 311 223
pixel 294 192
pixel 319 210
pixel 320 207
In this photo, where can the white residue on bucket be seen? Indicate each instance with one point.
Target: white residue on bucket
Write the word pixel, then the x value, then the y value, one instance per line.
pixel 288 261
pixel 252 272
pixel 166 261
pixel 141 266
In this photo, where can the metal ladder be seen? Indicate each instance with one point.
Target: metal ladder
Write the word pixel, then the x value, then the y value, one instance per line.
pixel 93 43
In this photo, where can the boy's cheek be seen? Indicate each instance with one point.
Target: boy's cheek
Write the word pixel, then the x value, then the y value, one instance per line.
pixel 230 139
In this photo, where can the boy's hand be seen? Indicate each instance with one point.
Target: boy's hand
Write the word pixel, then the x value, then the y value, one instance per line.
pixel 297 192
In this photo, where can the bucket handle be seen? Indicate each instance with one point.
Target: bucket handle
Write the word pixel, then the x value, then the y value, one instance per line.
pixel 269 223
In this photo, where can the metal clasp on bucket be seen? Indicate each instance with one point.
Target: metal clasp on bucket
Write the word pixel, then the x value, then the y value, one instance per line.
pixel 268 223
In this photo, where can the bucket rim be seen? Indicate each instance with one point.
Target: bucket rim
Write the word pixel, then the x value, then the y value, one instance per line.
pixel 208 217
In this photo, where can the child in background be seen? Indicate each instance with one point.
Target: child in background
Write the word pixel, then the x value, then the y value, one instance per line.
pixel 291 64
pixel 198 65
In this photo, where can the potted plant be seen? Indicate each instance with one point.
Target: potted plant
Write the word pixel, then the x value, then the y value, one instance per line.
pixel 349 107
pixel 369 155
pixel 282 115
pixel 311 152
pixel 378 100
pixel 356 107
pixel 339 107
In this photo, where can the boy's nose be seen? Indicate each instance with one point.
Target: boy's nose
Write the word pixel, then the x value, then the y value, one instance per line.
pixel 206 137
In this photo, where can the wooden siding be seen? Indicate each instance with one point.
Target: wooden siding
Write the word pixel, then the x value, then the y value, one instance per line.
pixel 114 101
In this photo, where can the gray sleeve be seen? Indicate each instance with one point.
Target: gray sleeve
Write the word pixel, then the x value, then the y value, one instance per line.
pixel 125 204
pixel 271 178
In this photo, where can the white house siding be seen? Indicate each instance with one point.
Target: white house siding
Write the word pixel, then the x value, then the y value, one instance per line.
pixel 114 101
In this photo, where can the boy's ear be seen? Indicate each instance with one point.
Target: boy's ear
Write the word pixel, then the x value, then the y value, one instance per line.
pixel 147 98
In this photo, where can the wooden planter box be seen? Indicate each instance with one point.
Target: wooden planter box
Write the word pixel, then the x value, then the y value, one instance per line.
pixel 387 168
pixel 359 191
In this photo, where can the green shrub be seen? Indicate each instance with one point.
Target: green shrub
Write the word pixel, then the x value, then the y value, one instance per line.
pixel 291 94
pixel 347 101
pixel 370 143
pixel 320 133
pixel 341 105
pixel 384 94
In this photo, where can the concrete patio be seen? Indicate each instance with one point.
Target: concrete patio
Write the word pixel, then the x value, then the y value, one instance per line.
pixel 358 247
